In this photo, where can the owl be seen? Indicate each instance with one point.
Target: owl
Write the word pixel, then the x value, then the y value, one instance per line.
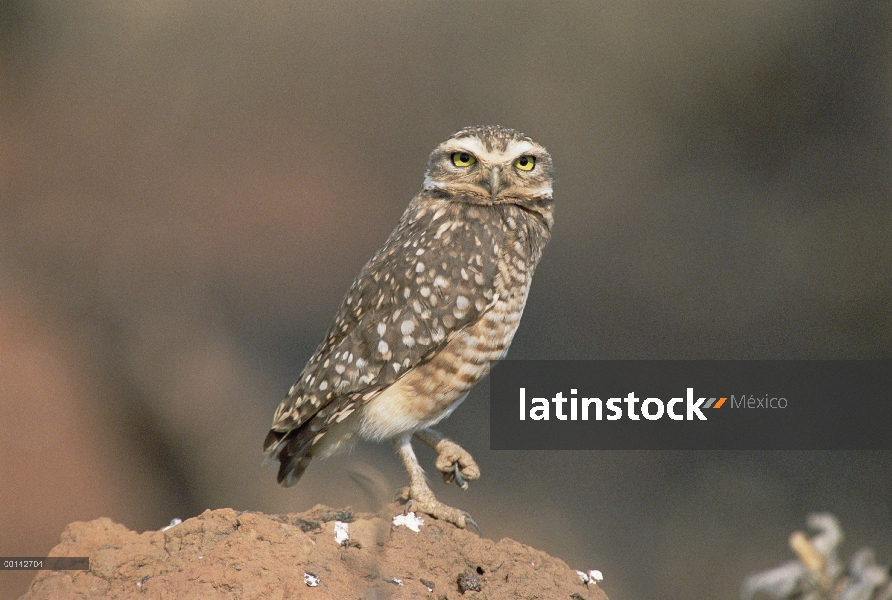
pixel 427 316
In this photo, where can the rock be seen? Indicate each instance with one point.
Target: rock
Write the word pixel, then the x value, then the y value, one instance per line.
pixel 229 554
pixel 469 582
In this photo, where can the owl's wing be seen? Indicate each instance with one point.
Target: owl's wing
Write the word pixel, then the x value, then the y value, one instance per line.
pixel 427 283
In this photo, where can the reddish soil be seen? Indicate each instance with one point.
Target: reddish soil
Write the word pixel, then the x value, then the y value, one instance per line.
pixel 227 554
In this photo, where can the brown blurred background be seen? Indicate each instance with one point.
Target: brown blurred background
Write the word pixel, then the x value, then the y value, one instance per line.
pixel 188 188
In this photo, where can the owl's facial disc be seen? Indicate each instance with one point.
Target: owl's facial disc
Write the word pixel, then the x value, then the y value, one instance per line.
pixel 484 171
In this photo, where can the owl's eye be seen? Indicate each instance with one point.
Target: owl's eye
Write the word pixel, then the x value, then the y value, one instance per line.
pixel 525 163
pixel 463 159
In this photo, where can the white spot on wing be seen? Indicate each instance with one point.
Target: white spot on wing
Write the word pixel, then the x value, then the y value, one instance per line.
pixel 441 229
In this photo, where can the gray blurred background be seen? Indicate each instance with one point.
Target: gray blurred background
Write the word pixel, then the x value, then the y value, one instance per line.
pixel 188 188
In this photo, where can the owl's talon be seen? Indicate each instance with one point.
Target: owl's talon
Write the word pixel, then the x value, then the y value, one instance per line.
pixel 456 464
pixel 455 475
pixel 469 520
pixel 459 478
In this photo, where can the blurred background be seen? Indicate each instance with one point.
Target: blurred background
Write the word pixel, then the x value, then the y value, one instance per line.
pixel 187 190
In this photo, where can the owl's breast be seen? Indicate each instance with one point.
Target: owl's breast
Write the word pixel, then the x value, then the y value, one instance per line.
pixel 431 390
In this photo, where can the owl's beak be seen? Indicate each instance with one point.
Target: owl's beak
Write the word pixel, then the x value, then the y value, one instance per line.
pixel 494 182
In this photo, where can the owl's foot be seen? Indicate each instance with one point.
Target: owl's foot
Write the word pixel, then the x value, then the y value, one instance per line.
pixel 456 464
pixel 418 496
pixel 423 500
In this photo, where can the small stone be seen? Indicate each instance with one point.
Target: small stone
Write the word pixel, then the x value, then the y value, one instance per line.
pixel 468 581
pixel 306 526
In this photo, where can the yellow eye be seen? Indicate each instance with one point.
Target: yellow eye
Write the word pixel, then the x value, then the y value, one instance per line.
pixel 525 163
pixel 463 159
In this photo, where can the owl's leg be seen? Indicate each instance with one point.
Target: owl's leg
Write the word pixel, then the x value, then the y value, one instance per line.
pixel 418 495
pixel 454 462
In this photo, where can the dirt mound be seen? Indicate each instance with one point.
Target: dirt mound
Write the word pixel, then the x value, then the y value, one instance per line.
pixel 323 553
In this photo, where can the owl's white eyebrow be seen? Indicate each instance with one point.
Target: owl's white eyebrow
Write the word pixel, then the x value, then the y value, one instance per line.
pixel 519 147
pixel 475 147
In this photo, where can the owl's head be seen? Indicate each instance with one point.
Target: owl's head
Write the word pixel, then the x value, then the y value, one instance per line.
pixel 492 165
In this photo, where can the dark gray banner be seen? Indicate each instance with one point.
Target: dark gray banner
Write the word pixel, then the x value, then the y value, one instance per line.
pixel 691 405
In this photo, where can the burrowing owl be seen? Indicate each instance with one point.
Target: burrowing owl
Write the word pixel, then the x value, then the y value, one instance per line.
pixel 427 315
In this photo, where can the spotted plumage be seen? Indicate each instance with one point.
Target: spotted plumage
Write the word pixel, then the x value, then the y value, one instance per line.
pixel 428 313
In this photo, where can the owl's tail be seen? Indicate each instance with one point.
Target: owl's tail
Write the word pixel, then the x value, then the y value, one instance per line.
pixel 292 449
